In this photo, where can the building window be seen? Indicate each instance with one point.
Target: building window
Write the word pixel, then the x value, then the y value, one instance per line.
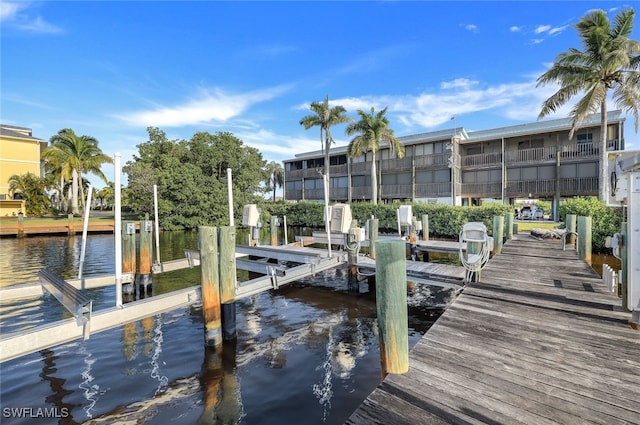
pixel 315 163
pixel 339 182
pixel 586 137
pixel 291 166
pixel 338 160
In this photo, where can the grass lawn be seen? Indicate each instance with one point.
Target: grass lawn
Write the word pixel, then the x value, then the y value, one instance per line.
pixel 526 226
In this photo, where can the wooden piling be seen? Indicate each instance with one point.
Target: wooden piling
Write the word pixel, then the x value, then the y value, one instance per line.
pixel 498 233
pixel 210 281
pixel 373 236
pixel 146 254
pixel 352 258
pixel 412 240
pixel 570 224
pixel 228 279
pixel 425 227
pixel 70 226
pixel 20 225
pixel 129 247
pixel 274 230
pixel 508 225
pixel 584 238
pixel 391 304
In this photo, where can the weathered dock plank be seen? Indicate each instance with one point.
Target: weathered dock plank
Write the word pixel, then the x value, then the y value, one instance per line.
pixel 537 340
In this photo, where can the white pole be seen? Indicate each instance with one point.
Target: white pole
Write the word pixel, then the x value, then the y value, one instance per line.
pixel 327 215
pixel 117 230
pixel 155 211
pixel 230 191
pixel 286 241
pixel 85 227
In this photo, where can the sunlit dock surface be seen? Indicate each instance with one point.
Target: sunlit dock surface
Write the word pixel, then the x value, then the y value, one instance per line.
pixel 538 340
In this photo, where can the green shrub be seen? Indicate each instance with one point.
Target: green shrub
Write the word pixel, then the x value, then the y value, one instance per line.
pixel 605 220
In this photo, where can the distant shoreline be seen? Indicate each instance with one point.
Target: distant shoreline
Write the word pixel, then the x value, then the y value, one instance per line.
pixel 40 226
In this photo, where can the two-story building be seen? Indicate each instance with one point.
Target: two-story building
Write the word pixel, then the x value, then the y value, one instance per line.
pixel 19 154
pixel 535 160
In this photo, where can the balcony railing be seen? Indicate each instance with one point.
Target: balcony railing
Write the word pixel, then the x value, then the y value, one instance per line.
pixel 426 161
pixel 396 164
pixel 361 168
pixel 487 189
pixel 396 191
pixel 481 159
pixel 426 190
pixel 579 186
pixel 313 173
pixel 361 192
pixel 314 194
pixel 339 194
pixel 293 194
pixel 341 169
pixel 294 174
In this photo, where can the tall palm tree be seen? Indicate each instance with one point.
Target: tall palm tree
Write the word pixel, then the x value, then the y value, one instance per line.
pixel 33 190
pixel 325 117
pixel 274 177
pixel 610 61
pixel 76 155
pixel 372 129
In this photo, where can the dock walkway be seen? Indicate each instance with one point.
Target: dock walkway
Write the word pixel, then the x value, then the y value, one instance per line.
pixel 537 341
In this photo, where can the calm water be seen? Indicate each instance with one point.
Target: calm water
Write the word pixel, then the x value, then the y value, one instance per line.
pixel 307 353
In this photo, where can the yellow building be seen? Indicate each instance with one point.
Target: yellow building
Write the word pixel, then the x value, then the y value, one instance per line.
pixel 19 154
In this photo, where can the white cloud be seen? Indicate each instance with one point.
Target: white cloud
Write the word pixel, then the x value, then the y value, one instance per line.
pixel 557 30
pixel 9 10
pixel 471 27
pixel 515 28
pixel 537 40
pixel 541 29
pixel 15 15
pixel 209 106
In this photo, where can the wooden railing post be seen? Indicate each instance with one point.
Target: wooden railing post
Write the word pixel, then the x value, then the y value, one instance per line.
pixel 509 225
pixel 228 279
pixel 584 239
pixel 498 233
pixel 570 225
pixel 391 304
pixel 425 227
pixel 210 281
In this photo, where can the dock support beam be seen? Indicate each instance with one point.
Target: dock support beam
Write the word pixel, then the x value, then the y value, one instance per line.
pixel 391 304
pixel 210 280
pixel 584 239
pixel 146 258
pixel 570 225
pixel 228 279
pixel 498 233
pixel 508 225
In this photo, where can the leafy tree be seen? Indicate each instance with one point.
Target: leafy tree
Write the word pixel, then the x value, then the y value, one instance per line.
pixel 106 195
pixel 371 130
pixel 325 116
pixel 33 190
pixel 610 61
pixel 274 177
pixel 72 156
pixel 192 178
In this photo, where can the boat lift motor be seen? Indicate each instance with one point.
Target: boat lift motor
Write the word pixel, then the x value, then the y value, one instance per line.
pixel 623 189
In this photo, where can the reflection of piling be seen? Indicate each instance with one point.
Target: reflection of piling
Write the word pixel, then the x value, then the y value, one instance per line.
pixel 70 226
pixel 146 254
pixel 129 253
pixel 498 233
pixel 391 304
pixel 210 281
pixel 220 386
pixel 227 265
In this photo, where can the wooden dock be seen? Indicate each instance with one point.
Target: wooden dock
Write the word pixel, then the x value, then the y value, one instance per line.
pixel 537 341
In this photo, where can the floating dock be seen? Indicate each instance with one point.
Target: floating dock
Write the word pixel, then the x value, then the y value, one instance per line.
pixel 538 340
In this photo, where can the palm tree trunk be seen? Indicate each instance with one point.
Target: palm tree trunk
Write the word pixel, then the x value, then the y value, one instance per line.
pixel 602 181
pixel 326 165
pixel 81 189
pixel 374 179
pixel 74 193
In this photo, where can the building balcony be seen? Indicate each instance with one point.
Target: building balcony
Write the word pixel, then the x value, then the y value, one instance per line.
pixel 361 192
pixel 433 190
pixel 482 190
pixel 396 164
pixel 361 168
pixel 339 170
pixel 396 191
pixel 431 161
pixel 481 160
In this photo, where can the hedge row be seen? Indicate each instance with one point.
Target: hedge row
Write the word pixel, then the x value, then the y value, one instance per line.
pixel 605 221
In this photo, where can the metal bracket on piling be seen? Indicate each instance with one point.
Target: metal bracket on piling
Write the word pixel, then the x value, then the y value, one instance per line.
pixel 564 239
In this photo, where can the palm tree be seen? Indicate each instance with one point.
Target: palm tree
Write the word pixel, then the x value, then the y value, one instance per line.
pixel 610 61
pixel 372 129
pixel 33 190
pixel 274 177
pixel 76 155
pixel 106 195
pixel 325 117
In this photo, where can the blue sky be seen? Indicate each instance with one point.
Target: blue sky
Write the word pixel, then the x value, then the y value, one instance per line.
pixel 111 69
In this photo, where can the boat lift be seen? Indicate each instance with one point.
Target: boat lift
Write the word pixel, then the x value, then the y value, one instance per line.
pixel 478 244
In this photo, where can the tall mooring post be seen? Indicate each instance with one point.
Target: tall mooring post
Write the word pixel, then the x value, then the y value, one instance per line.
pixel 498 233
pixel 228 279
pixel 413 247
pixel 210 281
pixel 584 238
pixel 373 236
pixel 570 224
pixel 274 230
pixel 352 257
pixel 146 254
pixel 129 250
pixel 425 227
pixel 508 225
pixel 391 304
